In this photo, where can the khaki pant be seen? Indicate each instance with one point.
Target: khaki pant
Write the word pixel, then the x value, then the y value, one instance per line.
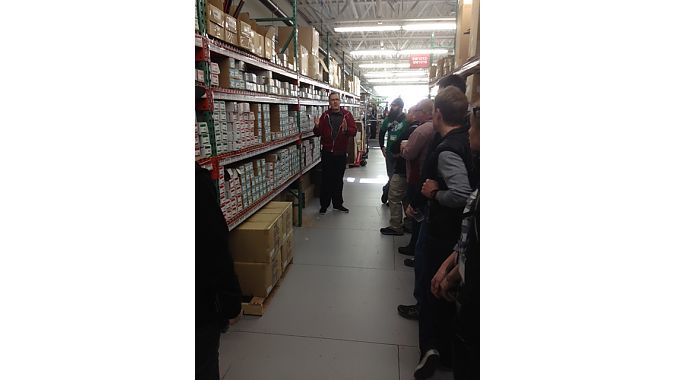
pixel 395 197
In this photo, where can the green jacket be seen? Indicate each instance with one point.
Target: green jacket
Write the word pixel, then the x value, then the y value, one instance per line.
pixel 391 130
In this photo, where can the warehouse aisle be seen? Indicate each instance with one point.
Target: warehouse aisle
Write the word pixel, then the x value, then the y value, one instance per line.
pixel 334 315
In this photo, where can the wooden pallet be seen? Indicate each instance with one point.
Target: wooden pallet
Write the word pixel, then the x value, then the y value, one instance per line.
pixel 257 305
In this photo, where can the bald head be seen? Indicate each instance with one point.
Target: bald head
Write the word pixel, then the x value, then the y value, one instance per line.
pixel 425 110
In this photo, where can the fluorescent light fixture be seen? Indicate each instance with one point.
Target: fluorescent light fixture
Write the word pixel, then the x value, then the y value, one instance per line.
pixel 374 28
pixel 399 80
pixel 429 26
pixel 350 179
pixel 388 52
pixel 384 65
pixel 395 74
pixel 411 27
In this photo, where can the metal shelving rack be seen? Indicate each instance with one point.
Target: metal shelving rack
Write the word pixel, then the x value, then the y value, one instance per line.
pixel 204 47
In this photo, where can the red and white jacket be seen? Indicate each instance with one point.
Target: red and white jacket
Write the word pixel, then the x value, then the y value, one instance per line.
pixel 347 128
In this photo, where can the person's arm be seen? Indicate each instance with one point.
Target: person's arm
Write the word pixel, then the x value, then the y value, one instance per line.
pixel 445 267
pixel 453 171
pixel 416 143
pixel 381 135
pixel 317 121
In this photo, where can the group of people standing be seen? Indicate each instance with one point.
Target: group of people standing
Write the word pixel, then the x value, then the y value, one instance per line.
pixel 432 156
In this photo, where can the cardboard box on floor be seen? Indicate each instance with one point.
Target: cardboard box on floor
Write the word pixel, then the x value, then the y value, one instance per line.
pixel 287 251
pixel 258 279
pixel 274 217
pixel 255 241
pixel 285 209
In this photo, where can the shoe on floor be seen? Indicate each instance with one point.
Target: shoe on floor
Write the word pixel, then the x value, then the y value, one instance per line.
pixel 408 311
pixel 406 250
pixel 341 208
pixel 322 210
pixel 390 231
pixel 427 365
pixel 409 263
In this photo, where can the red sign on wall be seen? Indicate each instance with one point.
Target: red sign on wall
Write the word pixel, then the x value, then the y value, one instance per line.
pixel 419 61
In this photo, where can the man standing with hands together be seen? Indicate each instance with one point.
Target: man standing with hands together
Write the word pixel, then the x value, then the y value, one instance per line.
pixel 334 127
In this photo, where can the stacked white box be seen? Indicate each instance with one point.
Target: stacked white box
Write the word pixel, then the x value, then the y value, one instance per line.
pixel 197 140
pixel 204 139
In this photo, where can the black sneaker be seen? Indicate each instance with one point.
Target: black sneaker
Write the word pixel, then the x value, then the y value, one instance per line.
pixel 408 311
pixel 427 365
pixel 390 231
pixel 322 210
pixel 409 263
pixel 406 250
pixel 341 208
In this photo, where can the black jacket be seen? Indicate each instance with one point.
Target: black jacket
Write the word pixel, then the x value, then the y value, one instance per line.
pixel 444 221
pixel 218 295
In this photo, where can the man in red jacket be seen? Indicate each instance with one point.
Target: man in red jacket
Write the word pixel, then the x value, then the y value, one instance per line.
pixel 334 126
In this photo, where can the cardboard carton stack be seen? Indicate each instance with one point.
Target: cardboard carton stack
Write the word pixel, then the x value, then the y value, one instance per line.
pixel 285 209
pixel 261 122
pixel 199 75
pixel 197 140
pixel 280 122
pixel 236 125
pixel 230 30
pixel 216 21
pixel 256 250
pixel 231 74
pixel 231 190
pixel 310 151
pixel 307 115
pixel 282 164
pixel 245 36
pixel 204 140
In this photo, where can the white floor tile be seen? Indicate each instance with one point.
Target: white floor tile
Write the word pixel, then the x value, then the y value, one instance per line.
pixel 334 315
pixel 249 356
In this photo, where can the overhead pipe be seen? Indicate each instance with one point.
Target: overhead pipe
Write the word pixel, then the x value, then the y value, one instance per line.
pixel 280 13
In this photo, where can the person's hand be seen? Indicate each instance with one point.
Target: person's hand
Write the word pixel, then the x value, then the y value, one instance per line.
pixel 429 187
pixel 410 211
pixel 237 318
pixel 316 120
pixel 441 273
pixel 449 288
